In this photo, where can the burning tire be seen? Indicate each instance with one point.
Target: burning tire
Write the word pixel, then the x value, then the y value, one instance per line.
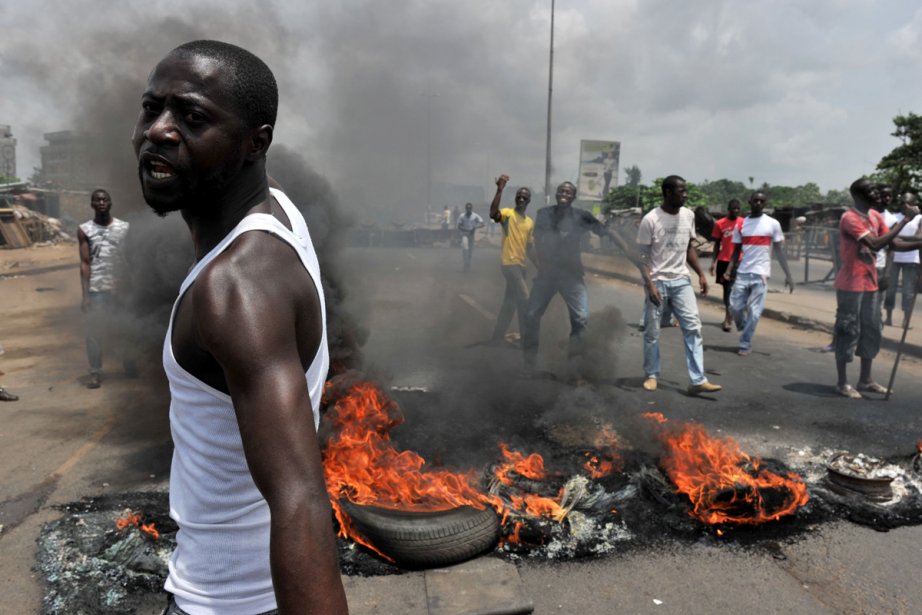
pixel 426 539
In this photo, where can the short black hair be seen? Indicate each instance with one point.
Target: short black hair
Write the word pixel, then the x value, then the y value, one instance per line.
pixel 252 84
pixel 670 183
pixel 857 187
pixel 98 190
pixel 734 203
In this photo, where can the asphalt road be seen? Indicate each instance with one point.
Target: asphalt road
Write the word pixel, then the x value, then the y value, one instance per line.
pixel 425 320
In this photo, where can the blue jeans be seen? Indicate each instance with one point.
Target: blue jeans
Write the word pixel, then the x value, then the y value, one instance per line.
pixel 573 291
pixel 680 297
pixel 910 272
pixel 747 300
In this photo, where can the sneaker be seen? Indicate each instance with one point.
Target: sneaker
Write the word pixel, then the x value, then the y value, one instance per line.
pixel 649 384
pixel 744 352
pixel 94 381
pixel 704 387
pixel 7 396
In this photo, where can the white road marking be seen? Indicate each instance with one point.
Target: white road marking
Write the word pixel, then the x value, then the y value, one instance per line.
pixel 479 308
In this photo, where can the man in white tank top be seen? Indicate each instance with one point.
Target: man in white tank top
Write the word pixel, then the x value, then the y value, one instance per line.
pixel 245 353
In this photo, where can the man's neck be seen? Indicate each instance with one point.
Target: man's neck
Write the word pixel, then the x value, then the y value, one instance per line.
pixel 671 209
pixel 210 222
pixel 103 219
pixel 862 208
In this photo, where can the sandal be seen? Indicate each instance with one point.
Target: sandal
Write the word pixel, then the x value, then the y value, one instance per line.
pixel 873 387
pixel 847 390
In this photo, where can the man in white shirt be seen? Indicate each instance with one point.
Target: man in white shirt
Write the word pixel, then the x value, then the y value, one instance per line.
pixel 751 267
pixel 904 263
pixel 468 223
pixel 665 239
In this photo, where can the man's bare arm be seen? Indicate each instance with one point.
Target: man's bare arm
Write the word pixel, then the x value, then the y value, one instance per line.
pixel 84 245
pixel 691 255
pixel 783 261
pixel 265 377
pixel 730 273
pixel 644 266
pixel 501 182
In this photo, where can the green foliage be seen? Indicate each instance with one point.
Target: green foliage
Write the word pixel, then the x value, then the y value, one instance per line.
pixel 716 194
pixel 9 179
pixel 902 168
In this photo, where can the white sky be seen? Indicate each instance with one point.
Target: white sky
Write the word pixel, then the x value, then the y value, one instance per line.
pixel 786 92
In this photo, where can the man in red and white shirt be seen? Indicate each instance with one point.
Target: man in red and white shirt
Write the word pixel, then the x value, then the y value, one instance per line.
pixel 751 266
pixel 722 234
pixel 862 232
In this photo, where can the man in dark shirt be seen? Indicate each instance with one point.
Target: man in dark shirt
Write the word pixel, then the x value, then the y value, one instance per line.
pixel 559 232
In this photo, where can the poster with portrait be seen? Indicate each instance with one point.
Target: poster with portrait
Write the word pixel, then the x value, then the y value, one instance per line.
pixel 598 169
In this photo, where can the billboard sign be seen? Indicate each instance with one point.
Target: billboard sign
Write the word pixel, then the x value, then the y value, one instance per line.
pixel 598 169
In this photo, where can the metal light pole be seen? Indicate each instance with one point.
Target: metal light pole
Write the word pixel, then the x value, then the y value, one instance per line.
pixel 550 90
pixel 429 96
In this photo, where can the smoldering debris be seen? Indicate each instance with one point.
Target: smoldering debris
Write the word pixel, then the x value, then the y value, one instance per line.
pixel 107 555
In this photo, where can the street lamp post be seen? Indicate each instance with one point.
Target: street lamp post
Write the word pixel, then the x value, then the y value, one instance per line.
pixel 550 90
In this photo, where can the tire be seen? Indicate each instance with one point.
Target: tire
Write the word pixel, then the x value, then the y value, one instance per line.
pixel 426 539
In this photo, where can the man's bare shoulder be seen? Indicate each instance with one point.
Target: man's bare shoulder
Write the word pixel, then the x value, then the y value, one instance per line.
pixel 256 263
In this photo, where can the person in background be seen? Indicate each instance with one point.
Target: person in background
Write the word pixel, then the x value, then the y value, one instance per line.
pixel 722 234
pixel 903 265
pixel 101 242
pixel 862 233
pixel 517 243
pixel 751 266
pixel 468 223
pixel 665 238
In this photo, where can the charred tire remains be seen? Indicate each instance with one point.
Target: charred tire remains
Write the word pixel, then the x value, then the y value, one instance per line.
pixel 426 539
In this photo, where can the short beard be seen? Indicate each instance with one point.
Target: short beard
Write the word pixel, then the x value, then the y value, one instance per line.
pixel 192 195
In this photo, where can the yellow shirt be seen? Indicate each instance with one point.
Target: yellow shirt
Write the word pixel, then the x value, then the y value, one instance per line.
pixel 517 234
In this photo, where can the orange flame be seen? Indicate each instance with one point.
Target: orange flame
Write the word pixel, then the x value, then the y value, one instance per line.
pixel 530 467
pixel 655 416
pixel 724 484
pixel 133 519
pixel 361 464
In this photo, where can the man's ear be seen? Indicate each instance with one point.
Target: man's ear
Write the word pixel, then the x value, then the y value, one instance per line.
pixel 260 140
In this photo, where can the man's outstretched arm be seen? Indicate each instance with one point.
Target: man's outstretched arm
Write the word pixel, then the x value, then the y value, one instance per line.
pixel 501 182
pixel 265 377
pixel 783 261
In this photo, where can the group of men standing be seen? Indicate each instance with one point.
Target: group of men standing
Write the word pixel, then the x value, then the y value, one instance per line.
pixel 554 243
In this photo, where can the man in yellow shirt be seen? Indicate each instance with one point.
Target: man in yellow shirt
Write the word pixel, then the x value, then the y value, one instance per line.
pixel 517 242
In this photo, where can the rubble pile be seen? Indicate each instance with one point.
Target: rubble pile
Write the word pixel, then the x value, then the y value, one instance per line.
pixel 42 229
pixel 105 557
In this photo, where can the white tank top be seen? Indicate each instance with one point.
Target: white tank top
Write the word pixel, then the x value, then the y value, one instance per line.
pixel 221 561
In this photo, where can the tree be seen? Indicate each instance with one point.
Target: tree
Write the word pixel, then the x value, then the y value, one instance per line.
pixel 903 166
pixel 632 176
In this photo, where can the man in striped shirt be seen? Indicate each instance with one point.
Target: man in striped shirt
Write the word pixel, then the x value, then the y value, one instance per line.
pixel 751 267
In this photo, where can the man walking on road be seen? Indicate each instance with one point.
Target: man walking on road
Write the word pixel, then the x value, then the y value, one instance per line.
pixel 559 233
pixel 468 223
pixel 862 233
pixel 751 266
pixel 517 242
pixel 102 264
pixel 246 350
pixel 665 239
pixel 722 234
